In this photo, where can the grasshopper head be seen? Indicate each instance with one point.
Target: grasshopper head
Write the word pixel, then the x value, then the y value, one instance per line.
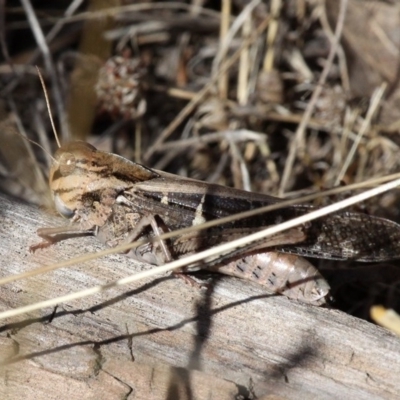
pixel 70 173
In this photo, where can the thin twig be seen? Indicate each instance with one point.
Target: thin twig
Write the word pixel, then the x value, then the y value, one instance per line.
pixel 244 65
pixel 268 64
pixel 225 19
pixel 237 135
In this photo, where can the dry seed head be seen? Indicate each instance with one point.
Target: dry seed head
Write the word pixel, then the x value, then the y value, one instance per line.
pixel 270 87
pixel 119 87
pixel 213 114
pixel 331 105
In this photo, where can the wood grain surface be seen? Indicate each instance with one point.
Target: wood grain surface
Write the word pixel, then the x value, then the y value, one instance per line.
pixel 162 339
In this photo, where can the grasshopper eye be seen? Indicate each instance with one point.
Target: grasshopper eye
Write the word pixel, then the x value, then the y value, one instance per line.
pixel 67 163
pixel 62 208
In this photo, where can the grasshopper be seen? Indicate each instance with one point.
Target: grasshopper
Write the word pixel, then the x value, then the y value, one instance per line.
pixel 120 201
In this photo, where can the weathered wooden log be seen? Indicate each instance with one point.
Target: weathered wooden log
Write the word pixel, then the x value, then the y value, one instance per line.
pixel 162 339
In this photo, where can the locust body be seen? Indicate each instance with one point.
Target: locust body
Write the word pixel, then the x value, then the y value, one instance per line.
pixel 120 201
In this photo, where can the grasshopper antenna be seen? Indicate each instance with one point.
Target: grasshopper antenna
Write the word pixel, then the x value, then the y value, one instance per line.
pixel 48 106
